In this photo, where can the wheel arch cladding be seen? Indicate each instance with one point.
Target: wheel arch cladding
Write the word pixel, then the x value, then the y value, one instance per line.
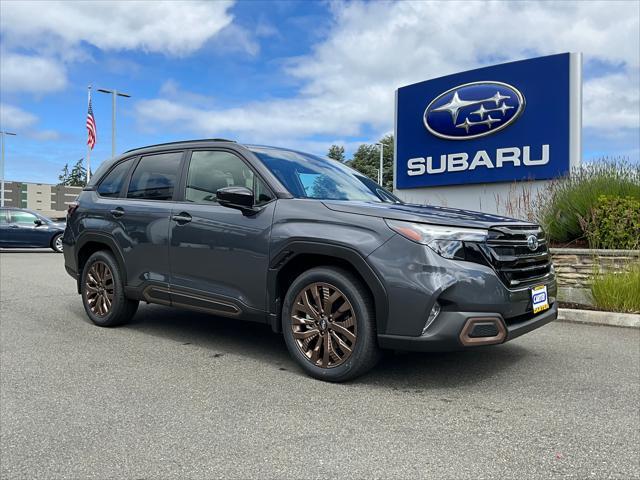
pixel 91 243
pixel 297 257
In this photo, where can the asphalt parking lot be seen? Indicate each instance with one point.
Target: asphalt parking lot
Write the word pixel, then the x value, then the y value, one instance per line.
pixel 178 394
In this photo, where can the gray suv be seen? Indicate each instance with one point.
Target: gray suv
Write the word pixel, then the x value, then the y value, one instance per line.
pixel 307 245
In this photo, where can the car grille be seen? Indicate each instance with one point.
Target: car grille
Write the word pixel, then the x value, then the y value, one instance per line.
pixel 507 251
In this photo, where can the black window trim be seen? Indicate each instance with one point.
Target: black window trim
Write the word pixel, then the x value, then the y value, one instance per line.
pixel 125 187
pixel 180 198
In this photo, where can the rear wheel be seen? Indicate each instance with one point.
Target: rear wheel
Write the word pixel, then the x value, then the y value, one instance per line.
pixel 328 323
pixel 56 243
pixel 103 291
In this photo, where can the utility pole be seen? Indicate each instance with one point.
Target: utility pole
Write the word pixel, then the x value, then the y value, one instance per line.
pixel 2 135
pixel 381 145
pixel 114 93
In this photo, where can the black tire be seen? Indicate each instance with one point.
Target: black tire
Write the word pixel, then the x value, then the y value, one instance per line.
pixel 364 353
pixel 56 243
pixel 121 308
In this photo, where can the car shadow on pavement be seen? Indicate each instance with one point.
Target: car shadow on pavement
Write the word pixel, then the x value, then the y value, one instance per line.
pixel 221 335
pixel 416 371
pixel 397 370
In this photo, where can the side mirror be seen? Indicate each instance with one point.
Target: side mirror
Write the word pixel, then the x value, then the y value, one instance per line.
pixel 240 198
pixel 38 222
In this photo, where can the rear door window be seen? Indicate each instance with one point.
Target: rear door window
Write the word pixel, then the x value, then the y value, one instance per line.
pixel 113 182
pixel 155 177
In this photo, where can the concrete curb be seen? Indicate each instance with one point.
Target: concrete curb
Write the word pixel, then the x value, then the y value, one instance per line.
pixel 612 319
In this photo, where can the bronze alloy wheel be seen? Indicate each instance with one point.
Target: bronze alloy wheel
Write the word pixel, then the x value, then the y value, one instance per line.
pixel 324 325
pixel 99 288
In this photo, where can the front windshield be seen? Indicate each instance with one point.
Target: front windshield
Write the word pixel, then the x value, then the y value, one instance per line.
pixel 309 176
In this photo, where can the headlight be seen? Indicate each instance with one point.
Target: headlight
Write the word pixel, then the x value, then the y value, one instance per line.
pixel 445 241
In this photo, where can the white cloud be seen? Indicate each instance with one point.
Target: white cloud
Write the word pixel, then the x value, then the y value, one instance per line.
pixel 14 118
pixel 57 32
pixel 612 101
pixel 235 38
pixel 350 77
pixel 172 90
pixel 45 135
pixel 19 121
pixel 31 74
pixel 172 27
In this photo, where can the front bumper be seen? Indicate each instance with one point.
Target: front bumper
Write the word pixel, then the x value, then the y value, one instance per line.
pixel 445 333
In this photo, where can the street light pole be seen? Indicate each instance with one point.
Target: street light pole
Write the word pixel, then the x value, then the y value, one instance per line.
pixel 381 145
pixel 114 93
pixel 2 134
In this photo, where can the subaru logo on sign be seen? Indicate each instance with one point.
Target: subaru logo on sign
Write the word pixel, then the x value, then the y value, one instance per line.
pixel 473 110
pixel 532 243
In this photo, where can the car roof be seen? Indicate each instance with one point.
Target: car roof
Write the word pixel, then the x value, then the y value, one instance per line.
pixel 182 143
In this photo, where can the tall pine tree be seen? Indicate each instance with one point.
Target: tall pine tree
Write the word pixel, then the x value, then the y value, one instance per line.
pixel 78 175
pixel 336 152
pixel 64 176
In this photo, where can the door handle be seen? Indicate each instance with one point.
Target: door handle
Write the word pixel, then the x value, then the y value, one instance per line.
pixel 117 212
pixel 181 218
pixel 14 226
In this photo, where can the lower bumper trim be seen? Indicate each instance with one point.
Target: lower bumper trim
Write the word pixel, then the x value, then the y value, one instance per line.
pixel 444 335
pixel 468 339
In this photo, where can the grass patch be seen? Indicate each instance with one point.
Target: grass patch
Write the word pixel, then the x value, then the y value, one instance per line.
pixel 618 292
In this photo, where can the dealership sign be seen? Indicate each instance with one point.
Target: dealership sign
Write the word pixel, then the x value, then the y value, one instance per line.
pixel 515 121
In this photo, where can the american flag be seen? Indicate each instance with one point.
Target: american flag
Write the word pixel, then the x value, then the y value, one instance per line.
pixel 91 126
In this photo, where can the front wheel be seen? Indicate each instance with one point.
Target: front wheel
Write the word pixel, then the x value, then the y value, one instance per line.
pixel 328 322
pixel 56 243
pixel 103 291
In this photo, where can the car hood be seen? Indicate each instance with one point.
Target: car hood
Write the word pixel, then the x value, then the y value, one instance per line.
pixel 423 214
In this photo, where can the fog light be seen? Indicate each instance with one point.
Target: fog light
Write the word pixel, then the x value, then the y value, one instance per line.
pixel 435 311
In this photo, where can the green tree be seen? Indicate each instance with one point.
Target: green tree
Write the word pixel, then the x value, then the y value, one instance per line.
pixel 367 161
pixel 64 176
pixel 78 175
pixel 336 152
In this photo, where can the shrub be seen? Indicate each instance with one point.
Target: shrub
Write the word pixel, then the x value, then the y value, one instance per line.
pixel 618 292
pixel 614 222
pixel 566 201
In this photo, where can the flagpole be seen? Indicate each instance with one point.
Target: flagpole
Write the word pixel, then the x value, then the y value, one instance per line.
pixel 88 146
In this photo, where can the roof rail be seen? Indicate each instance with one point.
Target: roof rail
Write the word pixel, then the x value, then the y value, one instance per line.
pixel 181 142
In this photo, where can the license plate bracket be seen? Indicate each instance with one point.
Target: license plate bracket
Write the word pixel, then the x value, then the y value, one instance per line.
pixel 539 298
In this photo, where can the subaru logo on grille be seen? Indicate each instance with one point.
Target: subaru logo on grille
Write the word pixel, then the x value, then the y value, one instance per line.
pixel 473 110
pixel 532 242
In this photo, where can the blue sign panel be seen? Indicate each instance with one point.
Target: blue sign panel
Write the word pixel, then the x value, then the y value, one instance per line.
pixel 495 124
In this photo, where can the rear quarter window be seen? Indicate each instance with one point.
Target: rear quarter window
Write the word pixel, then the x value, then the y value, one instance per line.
pixel 112 184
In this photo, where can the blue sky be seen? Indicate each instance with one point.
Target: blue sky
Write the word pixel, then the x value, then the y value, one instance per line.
pixel 299 74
